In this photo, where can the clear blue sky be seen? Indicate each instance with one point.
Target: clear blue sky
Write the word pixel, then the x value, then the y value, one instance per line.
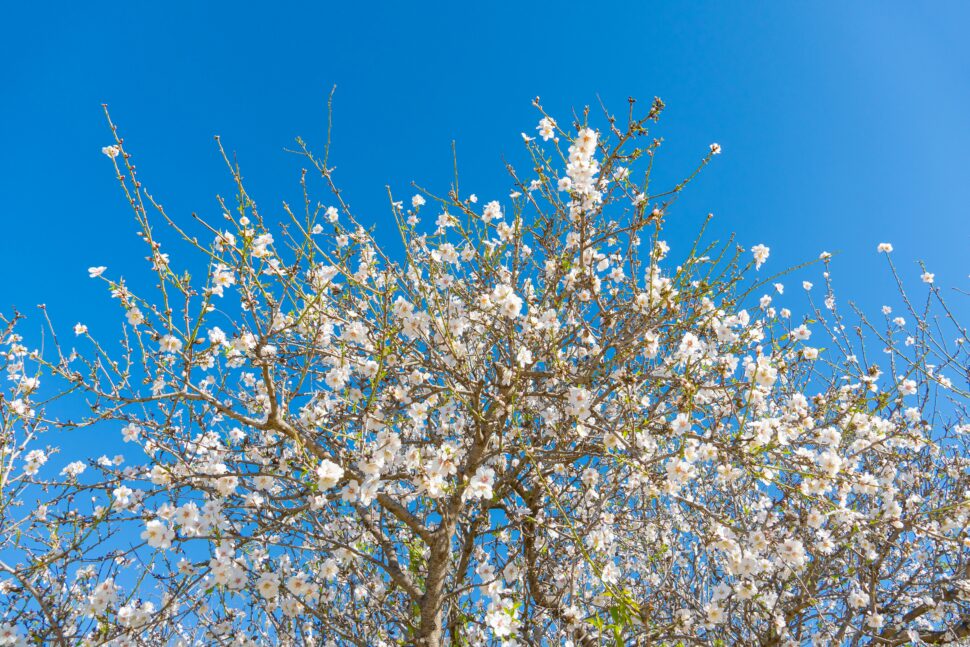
pixel 843 124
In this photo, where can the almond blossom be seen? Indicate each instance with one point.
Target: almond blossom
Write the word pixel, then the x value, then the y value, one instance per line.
pixel 541 422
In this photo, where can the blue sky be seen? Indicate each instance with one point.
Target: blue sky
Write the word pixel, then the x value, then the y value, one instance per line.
pixel 843 124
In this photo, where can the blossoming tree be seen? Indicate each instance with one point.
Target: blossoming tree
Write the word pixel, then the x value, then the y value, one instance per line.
pixel 528 427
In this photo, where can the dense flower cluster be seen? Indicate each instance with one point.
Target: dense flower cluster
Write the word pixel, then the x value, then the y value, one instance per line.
pixel 532 428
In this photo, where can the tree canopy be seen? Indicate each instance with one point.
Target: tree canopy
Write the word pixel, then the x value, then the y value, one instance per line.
pixel 530 423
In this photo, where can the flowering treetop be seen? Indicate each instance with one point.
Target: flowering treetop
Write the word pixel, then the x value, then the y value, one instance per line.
pixel 530 426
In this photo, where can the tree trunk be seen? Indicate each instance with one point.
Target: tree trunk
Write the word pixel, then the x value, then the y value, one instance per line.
pixel 431 631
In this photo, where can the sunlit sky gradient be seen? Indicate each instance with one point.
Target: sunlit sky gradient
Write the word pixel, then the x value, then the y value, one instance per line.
pixel 843 124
